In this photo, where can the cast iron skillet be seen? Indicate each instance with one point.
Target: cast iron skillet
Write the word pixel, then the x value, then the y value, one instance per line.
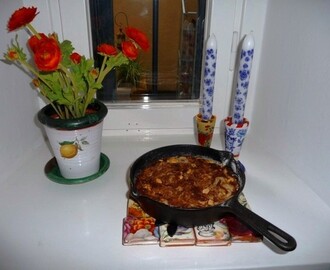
pixel 200 216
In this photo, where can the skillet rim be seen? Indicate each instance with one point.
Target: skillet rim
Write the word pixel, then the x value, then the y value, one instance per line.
pixel 226 204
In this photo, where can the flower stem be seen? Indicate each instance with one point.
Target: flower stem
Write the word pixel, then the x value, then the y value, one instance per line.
pixel 33 30
pixel 70 83
pixel 58 111
pixel 34 72
pixel 101 75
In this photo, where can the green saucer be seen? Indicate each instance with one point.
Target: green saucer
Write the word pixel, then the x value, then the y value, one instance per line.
pixel 53 172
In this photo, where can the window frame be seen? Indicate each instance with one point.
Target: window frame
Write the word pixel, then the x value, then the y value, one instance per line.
pixel 70 20
pixel 157 117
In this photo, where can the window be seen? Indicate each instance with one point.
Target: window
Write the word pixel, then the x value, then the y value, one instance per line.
pixel 171 70
pixel 72 20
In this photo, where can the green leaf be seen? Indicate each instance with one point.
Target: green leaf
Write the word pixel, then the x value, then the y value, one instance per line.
pixel 66 142
pixel 67 49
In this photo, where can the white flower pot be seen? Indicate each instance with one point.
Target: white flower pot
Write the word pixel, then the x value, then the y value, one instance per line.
pixel 77 152
pixel 76 143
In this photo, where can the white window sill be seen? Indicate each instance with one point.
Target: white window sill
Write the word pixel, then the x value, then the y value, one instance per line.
pixel 45 225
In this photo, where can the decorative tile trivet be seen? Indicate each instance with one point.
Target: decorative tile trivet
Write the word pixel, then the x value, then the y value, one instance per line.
pixel 182 237
pixel 138 227
pixel 141 229
pixel 214 234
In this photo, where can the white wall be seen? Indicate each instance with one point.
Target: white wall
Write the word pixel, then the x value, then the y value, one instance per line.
pixel 19 134
pixel 291 111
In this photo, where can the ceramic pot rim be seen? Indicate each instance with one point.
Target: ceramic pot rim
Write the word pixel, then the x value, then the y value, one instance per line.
pixel 44 116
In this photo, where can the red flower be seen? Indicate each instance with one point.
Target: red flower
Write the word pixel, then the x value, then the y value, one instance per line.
pixel 47 54
pixel 106 49
pixel 139 37
pixel 21 17
pixel 129 50
pixel 34 41
pixel 75 58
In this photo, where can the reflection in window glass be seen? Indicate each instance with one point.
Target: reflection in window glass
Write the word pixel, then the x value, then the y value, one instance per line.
pixel 171 69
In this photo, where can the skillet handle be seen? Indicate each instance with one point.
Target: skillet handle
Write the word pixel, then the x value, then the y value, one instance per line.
pixel 274 234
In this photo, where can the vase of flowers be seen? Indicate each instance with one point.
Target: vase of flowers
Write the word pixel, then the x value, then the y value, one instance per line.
pixel 68 82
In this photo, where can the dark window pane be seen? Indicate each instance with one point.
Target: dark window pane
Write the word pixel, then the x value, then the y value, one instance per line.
pixel 171 69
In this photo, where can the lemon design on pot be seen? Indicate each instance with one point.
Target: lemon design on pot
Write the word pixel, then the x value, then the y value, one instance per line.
pixel 69 149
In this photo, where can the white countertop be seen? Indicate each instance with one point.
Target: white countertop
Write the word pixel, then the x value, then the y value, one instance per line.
pixel 45 225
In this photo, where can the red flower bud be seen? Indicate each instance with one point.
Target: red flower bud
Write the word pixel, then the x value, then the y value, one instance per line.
pixel 94 72
pixel 12 55
pixel 75 58
pixel 36 82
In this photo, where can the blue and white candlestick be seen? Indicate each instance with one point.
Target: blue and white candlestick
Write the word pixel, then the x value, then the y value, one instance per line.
pixel 209 78
pixel 243 78
pixel 235 135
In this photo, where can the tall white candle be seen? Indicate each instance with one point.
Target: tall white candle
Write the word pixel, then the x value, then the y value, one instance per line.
pixel 243 78
pixel 209 77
